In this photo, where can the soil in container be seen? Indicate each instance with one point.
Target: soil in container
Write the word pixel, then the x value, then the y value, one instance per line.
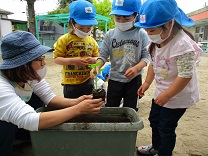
pixel 102 118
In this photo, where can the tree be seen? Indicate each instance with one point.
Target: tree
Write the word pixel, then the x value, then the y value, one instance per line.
pixel 103 7
pixel 31 15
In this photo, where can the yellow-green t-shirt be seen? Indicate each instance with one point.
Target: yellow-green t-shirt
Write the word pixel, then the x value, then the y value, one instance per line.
pixel 69 46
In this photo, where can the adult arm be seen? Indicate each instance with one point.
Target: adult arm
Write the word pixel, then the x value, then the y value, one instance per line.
pixel 52 118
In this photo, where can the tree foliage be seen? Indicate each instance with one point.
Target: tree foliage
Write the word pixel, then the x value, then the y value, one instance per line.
pixel 103 7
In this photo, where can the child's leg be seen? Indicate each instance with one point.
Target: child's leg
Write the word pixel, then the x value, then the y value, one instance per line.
pixel 130 93
pixel 154 121
pixel 114 93
pixel 167 125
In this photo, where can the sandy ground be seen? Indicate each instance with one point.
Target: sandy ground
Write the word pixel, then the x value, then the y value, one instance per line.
pixel 192 136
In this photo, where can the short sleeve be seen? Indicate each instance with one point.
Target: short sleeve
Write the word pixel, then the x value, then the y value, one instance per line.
pixel 185 65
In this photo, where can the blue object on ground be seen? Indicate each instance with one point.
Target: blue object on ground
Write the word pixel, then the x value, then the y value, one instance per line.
pixel 105 72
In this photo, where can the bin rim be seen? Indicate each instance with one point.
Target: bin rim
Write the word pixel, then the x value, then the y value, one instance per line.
pixel 136 125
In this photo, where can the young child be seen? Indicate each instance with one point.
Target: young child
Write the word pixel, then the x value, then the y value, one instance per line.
pixel 173 66
pixel 76 49
pixel 126 47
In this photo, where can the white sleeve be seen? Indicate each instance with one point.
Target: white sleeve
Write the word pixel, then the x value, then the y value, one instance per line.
pixel 43 90
pixel 13 109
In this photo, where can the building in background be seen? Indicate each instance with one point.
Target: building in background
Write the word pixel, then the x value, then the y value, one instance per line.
pixel 8 25
pixel 200 28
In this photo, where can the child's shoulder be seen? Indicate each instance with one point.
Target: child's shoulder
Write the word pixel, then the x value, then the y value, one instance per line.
pixel 64 36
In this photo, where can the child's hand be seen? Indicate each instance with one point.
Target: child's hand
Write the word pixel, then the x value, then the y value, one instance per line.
pixel 142 89
pixel 92 74
pixel 130 73
pixel 81 62
pixel 90 60
pixel 162 99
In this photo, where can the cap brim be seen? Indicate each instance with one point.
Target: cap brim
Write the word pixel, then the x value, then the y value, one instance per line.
pixel 86 22
pixel 180 18
pixel 145 25
pixel 183 19
pixel 121 12
pixel 25 57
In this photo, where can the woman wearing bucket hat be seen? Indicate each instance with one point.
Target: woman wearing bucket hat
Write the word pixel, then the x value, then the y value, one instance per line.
pixel 24 89
pixel 173 66
pixel 76 49
pixel 126 47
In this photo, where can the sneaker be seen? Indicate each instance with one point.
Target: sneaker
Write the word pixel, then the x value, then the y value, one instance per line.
pixel 147 150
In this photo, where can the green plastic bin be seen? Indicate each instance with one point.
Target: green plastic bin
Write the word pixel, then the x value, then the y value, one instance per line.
pixel 112 132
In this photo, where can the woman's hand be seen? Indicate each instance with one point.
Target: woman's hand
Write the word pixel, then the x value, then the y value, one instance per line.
pixel 52 118
pixel 89 106
pixel 83 97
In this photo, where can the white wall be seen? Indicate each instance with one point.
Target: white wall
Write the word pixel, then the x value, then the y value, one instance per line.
pixel 6 27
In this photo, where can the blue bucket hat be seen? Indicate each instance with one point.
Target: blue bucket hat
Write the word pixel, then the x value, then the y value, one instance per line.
pixel 125 7
pixel 19 48
pixel 83 12
pixel 155 13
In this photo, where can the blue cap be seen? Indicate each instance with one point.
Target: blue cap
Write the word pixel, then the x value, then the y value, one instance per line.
pixel 83 12
pixel 125 7
pixel 155 13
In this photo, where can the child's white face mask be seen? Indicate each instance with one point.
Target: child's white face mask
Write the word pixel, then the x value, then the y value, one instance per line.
pixel 157 38
pixel 124 26
pixel 80 33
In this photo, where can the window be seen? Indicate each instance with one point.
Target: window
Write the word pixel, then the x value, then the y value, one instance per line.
pixel 197 29
pixel 206 33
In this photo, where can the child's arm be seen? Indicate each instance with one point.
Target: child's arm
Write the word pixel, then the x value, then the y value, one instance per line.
pixel 130 73
pixel 148 81
pixel 76 61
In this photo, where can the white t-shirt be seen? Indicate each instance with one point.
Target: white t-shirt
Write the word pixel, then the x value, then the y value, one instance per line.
pixel 165 63
pixel 13 98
